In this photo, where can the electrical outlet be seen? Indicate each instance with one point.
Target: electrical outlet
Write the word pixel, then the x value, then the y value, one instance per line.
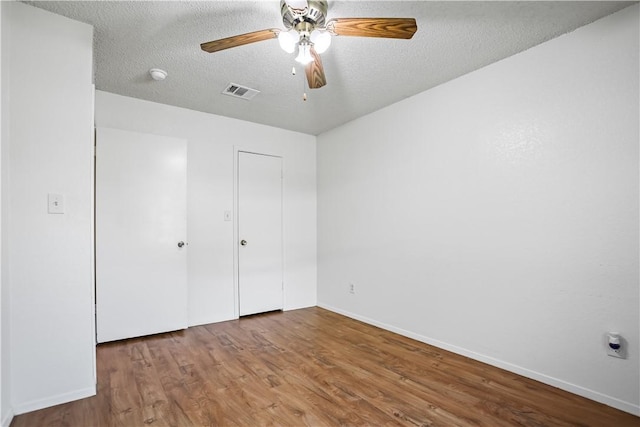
pixel 615 353
pixel 352 288
pixel 616 345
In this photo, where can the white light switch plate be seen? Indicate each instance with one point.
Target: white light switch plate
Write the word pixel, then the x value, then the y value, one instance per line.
pixel 56 203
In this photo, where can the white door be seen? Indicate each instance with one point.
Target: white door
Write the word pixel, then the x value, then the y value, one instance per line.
pixel 141 221
pixel 260 233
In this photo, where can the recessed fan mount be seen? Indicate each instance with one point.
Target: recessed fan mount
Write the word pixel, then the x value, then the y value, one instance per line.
pixel 308 30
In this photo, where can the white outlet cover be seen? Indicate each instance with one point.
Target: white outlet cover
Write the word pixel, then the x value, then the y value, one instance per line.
pixel 616 353
pixel 620 352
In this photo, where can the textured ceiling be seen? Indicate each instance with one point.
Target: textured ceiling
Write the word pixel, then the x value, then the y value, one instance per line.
pixel 363 74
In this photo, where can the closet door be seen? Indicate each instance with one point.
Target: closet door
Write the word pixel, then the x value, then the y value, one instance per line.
pixel 260 232
pixel 141 230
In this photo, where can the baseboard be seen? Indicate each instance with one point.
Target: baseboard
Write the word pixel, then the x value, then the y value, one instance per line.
pixel 34 405
pixel 6 421
pixel 209 320
pixel 298 307
pixel 563 385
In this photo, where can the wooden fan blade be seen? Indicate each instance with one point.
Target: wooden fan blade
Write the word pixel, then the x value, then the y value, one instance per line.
pixel 315 71
pixel 240 40
pixel 394 28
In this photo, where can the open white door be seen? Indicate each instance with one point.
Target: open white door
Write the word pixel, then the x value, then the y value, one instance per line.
pixel 141 219
pixel 260 233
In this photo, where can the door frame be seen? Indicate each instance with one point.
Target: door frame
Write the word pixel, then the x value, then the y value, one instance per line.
pixel 236 230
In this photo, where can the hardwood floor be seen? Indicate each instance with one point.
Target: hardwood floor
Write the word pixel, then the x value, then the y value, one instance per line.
pixel 309 367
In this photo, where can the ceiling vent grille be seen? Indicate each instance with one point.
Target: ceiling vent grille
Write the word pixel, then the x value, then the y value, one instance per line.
pixel 239 91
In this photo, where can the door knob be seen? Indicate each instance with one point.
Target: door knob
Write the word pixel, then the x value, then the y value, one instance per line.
pixel 180 244
pixel 243 242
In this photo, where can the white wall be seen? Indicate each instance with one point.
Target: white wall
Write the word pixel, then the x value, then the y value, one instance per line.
pixel 497 214
pixel 6 414
pixel 210 187
pixel 49 113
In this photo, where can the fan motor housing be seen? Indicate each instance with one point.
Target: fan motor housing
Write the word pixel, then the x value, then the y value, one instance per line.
pixel 314 14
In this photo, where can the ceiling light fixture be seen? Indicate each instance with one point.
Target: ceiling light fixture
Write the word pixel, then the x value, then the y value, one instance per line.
pixel 321 40
pixel 304 51
pixel 288 40
pixel 158 74
pixel 304 35
pixel 306 26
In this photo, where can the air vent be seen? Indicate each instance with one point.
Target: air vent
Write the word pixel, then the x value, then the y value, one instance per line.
pixel 239 91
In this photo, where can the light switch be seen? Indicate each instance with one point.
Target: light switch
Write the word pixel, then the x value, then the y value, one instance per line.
pixel 227 215
pixel 56 203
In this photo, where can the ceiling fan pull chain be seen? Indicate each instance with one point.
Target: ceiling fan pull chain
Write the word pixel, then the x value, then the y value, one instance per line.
pixel 304 89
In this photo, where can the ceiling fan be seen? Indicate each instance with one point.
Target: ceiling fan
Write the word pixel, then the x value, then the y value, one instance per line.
pixel 309 31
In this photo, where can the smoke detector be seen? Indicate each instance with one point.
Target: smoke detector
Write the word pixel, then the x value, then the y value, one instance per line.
pixel 158 74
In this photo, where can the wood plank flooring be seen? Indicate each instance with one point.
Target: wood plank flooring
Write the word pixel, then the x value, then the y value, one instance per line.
pixel 309 367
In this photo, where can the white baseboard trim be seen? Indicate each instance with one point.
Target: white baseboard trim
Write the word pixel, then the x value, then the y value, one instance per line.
pixel 34 405
pixel 563 385
pixel 297 307
pixel 208 321
pixel 6 421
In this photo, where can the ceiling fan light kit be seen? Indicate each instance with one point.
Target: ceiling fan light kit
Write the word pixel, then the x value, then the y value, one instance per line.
pixel 304 53
pixel 307 28
pixel 321 40
pixel 288 40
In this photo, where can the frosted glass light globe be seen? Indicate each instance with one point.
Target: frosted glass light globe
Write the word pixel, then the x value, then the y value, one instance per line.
pixel 304 54
pixel 288 40
pixel 321 40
